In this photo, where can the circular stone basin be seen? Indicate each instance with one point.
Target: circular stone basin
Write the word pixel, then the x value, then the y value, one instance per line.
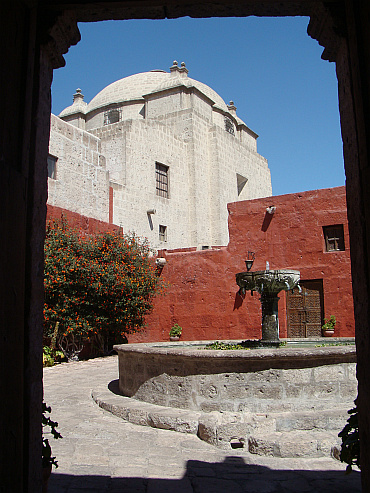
pixel 255 380
pixel 268 281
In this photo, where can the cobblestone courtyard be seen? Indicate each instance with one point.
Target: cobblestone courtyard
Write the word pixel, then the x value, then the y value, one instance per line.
pixel 100 452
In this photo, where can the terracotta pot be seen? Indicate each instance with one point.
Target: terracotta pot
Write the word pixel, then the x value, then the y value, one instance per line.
pixel 328 332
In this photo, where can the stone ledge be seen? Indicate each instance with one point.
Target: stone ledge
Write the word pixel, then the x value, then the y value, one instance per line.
pixel 295 444
pixel 253 359
pixel 144 414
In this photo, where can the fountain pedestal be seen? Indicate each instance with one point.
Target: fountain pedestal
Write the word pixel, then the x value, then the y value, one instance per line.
pixel 268 284
pixel 270 317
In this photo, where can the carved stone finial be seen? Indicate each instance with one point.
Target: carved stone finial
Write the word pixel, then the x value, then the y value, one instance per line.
pixel 183 70
pixel 78 96
pixel 175 68
pixel 231 107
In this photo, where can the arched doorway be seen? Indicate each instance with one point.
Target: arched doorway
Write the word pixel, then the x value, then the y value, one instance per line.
pixel 35 37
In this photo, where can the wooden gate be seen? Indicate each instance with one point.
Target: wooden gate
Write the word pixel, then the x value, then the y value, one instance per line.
pixel 305 310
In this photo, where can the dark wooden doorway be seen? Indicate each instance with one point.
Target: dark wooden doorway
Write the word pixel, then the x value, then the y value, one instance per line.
pixel 305 310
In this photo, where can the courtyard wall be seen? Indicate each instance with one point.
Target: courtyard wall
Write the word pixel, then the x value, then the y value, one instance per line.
pixel 202 295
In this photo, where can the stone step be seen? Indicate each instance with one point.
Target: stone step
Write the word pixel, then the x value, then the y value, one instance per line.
pixel 295 444
pixel 325 420
pixel 287 434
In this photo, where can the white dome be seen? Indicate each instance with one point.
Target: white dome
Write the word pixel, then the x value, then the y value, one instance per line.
pixel 136 86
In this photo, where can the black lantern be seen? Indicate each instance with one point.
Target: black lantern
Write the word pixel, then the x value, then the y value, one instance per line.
pixel 250 259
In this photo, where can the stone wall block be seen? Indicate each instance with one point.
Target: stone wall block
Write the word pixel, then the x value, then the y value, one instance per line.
pixel 273 391
pixel 235 391
pixel 265 376
pixel 348 391
pixel 293 390
pixel 181 403
pixel 259 446
pixel 95 158
pixel 329 373
pixel 179 387
pixel 293 447
pixel 88 155
pixel 324 390
pixel 207 428
pixel 173 420
pixel 300 376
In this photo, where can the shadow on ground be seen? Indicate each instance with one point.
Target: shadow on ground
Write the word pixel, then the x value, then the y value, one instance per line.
pixel 113 386
pixel 233 475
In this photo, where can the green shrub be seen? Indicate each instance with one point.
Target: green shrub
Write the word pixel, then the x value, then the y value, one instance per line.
pixel 176 331
pixel 329 323
pixel 96 286
pixel 224 346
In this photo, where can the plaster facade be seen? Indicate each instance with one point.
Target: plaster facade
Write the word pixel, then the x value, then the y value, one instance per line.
pixel 157 126
pixel 81 181
pixel 202 294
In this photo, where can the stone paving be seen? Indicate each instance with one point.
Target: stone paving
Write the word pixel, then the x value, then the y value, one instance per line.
pixel 101 452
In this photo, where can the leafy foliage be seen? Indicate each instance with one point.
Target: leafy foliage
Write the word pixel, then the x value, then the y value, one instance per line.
pixel 99 285
pixel 224 346
pixel 350 451
pixel 329 323
pixel 176 331
pixel 248 344
pixel 50 354
pixel 47 458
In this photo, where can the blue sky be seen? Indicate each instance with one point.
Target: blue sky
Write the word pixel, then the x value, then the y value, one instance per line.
pixel 269 67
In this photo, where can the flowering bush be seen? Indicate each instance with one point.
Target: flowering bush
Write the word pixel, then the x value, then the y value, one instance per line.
pixel 97 286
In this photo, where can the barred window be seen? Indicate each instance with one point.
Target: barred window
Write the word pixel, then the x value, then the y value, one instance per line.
pixel 161 178
pixel 112 116
pixel 52 165
pixel 334 238
pixel 162 233
pixel 229 126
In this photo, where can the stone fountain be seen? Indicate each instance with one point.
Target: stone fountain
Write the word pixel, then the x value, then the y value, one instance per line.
pixel 268 283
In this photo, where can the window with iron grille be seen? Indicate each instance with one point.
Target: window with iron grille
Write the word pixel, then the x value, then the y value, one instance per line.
pixel 229 126
pixel 112 116
pixel 161 178
pixel 52 165
pixel 162 233
pixel 334 238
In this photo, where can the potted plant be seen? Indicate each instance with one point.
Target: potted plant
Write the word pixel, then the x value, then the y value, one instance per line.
pixel 47 460
pixel 175 332
pixel 329 326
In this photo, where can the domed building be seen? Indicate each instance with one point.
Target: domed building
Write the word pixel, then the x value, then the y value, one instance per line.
pixel 159 154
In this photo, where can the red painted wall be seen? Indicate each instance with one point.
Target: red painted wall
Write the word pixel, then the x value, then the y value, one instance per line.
pixel 86 224
pixel 202 292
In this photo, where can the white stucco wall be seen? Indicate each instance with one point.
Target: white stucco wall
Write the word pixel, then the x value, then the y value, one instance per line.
pixel 181 128
pixel 82 182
